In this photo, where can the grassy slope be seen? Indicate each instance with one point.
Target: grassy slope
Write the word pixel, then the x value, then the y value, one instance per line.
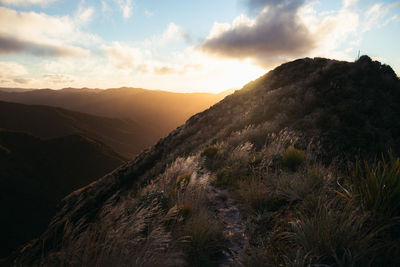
pixel 279 146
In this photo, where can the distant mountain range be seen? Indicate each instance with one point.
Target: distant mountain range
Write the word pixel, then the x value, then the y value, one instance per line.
pixel 124 135
pixel 155 112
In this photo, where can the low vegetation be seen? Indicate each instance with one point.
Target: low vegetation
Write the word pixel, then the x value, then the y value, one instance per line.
pixel 267 177
pixel 293 158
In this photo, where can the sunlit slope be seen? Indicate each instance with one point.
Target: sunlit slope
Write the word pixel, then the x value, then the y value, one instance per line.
pixel 159 111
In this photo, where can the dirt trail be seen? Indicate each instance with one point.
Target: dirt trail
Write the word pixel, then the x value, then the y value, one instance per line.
pixel 234 225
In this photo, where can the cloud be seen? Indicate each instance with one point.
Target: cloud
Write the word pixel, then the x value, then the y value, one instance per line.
pixel 10 70
pixel 21 80
pixel 165 70
pixel 12 73
pixel 105 7
pixel 10 45
pixel 173 33
pixel 284 30
pixel 168 70
pixel 122 56
pixel 26 2
pixel 58 78
pixel 276 30
pixel 376 15
pixel 259 5
pixel 148 13
pixel 126 7
pixel 84 15
pixel 42 35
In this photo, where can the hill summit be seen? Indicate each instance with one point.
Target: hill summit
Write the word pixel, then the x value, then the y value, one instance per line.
pixel 259 179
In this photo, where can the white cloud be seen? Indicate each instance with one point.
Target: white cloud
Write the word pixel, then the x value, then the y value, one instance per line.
pixel 126 7
pixel 61 79
pixel 122 56
pixel 284 30
pixel 11 69
pixel 41 34
pixel 148 13
pixel 12 74
pixel 84 15
pixel 105 7
pixel 376 16
pixel 331 30
pixel 172 33
pixel 26 2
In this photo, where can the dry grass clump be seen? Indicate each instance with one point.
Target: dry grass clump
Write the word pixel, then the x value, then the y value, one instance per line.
pixel 293 158
pixel 210 152
pixel 377 186
pixel 202 239
pixel 255 192
pixel 334 234
pixel 183 179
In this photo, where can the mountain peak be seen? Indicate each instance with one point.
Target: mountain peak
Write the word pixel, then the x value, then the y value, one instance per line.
pixel 317 110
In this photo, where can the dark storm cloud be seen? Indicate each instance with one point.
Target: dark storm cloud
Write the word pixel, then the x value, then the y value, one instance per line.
pixel 277 32
pixel 9 44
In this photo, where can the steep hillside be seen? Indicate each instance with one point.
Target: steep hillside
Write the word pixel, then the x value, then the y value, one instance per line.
pixel 123 135
pixel 260 179
pixel 36 174
pixel 161 111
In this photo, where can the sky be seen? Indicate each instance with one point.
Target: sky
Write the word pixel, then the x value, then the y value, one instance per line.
pixel 181 45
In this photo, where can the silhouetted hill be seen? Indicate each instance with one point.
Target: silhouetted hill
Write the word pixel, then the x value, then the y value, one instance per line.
pixel 36 174
pixel 123 135
pixel 5 89
pixel 258 179
pixel 160 111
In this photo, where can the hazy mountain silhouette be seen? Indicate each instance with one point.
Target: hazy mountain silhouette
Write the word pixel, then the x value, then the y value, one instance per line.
pixel 122 135
pixel 257 179
pixel 159 111
pixel 36 174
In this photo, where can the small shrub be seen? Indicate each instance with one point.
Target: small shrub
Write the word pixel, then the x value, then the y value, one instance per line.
pixel 293 158
pixel 183 179
pixel 210 152
pixel 275 203
pixel 203 240
pixel 185 210
pixel 300 185
pixel 254 192
pixel 222 178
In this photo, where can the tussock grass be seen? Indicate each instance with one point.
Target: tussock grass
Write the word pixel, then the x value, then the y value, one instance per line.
pixel 210 152
pixel 202 239
pixel 293 158
pixel 334 234
pixel 377 186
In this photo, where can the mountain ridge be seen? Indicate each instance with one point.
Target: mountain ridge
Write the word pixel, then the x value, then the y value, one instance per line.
pixel 125 136
pixel 161 111
pixel 329 109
